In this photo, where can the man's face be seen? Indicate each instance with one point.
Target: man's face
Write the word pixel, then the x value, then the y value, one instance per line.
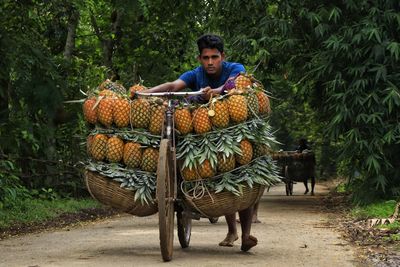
pixel 211 60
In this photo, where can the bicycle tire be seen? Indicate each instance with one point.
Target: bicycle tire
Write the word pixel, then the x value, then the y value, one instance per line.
pixel 184 225
pixel 165 195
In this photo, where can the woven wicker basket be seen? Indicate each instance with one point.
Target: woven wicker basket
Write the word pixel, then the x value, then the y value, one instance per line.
pixel 110 193
pixel 225 203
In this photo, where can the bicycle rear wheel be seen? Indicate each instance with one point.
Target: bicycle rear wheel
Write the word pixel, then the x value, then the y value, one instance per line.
pixel 165 198
pixel 184 224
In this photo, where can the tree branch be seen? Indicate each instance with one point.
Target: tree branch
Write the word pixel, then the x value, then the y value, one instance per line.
pixel 95 26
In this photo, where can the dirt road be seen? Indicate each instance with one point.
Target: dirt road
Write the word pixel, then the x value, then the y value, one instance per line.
pixel 293 232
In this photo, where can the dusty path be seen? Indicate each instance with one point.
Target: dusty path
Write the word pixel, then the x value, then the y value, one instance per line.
pixel 293 232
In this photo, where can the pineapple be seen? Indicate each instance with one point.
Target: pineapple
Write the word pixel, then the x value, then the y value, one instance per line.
pixel 135 88
pixel 189 174
pixel 183 121
pixel 260 150
pixel 98 147
pixel 225 164
pixel 252 105
pixel 221 117
pixel 149 160
pixel 140 113
pixel 89 142
pixel 132 155
pixel 237 108
pixel 243 82
pixel 121 112
pixel 105 111
pixel 157 119
pixel 205 169
pixel 107 92
pixel 201 121
pixel 115 149
pixel 264 104
pixel 247 153
pixel 113 86
pixel 89 110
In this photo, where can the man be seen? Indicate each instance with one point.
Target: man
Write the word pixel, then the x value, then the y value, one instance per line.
pixel 211 77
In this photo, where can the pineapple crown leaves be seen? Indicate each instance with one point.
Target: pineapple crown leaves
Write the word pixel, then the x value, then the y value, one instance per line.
pixel 207 150
pixel 142 137
pixel 142 183
pixel 228 146
pixel 230 184
pixel 187 150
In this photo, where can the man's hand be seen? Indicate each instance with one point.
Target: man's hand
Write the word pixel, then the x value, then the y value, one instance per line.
pixel 208 92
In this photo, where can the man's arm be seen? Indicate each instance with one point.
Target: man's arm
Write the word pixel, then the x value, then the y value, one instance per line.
pixel 174 86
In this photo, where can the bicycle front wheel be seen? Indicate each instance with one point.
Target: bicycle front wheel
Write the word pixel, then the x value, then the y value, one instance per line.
pixel 165 198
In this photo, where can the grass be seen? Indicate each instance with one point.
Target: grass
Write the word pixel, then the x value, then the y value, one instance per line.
pixel 382 209
pixel 38 210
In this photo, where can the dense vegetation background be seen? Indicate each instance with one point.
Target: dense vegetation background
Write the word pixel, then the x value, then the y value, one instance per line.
pixel 332 68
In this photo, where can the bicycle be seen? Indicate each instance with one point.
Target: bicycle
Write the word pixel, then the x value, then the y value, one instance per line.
pixel 168 198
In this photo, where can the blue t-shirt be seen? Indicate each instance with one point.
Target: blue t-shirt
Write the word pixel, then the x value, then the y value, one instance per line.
pixel 198 78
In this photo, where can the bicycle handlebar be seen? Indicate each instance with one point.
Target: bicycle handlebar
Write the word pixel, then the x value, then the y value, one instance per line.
pixel 170 93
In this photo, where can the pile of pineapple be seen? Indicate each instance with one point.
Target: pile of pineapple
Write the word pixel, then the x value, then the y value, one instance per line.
pixel 123 143
pixel 226 139
pixel 227 142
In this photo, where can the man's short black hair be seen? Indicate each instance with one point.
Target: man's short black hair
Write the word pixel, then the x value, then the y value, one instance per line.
pixel 210 41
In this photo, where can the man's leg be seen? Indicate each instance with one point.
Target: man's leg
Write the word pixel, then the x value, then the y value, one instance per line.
pixel 232 235
pixel 248 241
pixel 255 213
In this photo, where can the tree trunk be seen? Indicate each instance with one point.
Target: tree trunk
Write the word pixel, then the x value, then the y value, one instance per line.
pixel 4 100
pixel 108 45
pixel 70 42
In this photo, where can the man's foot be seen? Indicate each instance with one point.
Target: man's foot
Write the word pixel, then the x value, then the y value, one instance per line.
pixel 229 239
pixel 248 243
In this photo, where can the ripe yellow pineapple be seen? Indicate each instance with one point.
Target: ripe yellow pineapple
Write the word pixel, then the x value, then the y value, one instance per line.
pixel 263 102
pixel 243 82
pixel 157 119
pixel 140 113
pixel 105 111
pixel 205 169
pixel 107 92
pixel 132 155
pixel 149 160
pixel 98 147
pixel 247 153
pixel 225 164
pixel 221 117
pixel 201 121
pixel 183 121
pixel 237 108
pixel 115 149
pixel 190 174
pixel 135 88
pixel 121 112
pixel 90 111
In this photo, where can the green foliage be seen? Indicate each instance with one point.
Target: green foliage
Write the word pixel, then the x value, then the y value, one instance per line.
pixel 37 210
pixel 340 60
pixel 11 190
pixel 375 210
